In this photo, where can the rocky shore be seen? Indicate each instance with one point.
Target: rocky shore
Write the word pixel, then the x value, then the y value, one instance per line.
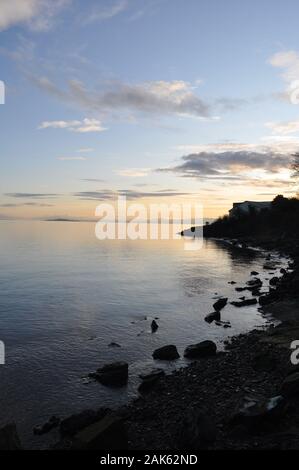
pixel 245 397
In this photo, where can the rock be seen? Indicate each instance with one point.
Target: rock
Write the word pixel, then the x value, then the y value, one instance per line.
pixel 256 292
pixel 203 349
pixel 166 353
pixel 149 380
pixel 9 439
pixel 108 433
pixel 269 266
pixel 254 414
pixel 244 303
pixel 254 273
pixel 241 289
pixel 47 427
pixel 114 345
pixel 115 374
pixel 290 386
pixel 220 304
pixel 274 281
pixel 232 282
pixel 154 326
pixel 73 424
pixel 256 282
pixel 214 316
pixel 283 271
pixel 197 431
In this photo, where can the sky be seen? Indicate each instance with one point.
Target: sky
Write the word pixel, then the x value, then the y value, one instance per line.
pixel 158 100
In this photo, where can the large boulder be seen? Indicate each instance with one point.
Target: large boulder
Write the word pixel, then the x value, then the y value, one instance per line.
pixel 220 304
pixel 254 283
pixel 9 439
pixel 106 434
pixel 166 353
pixel 244 303
pixel 150 379
pixel 274 281
pixel 114 374
pixel 214 316
pixel 46 427
pixel 203 349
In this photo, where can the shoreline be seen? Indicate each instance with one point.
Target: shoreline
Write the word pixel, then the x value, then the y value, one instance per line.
pixel 234 394
pixel 205 403
pixel 229 400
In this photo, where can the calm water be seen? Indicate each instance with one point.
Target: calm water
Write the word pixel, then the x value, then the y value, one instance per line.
pixel 64 296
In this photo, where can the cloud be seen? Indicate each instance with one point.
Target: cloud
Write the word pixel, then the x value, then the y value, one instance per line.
pixel 85 126
pixel 32 195
pixel 272 144
pixel 150 98
pixel 93 180
pixel 288 61
pixel 31 204
pixel 134 172
pixel 130 194
pixel 38 15
pixel 233 161
pixel 106 12
pixel 72 158
pixel 85 150
pixel 288 127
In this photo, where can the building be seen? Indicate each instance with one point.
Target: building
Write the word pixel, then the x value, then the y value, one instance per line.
pixel 246 206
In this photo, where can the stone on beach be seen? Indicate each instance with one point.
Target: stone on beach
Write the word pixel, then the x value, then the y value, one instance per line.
pixel 269 266
pixel 154 326
pixel 204 349
pixel 166 353
pixel 214 316
pixel 274 281
pixel 244 303
pixel 256 282
pixel 47 427
pixel 150 379
pixel 220 304
pixel 115 374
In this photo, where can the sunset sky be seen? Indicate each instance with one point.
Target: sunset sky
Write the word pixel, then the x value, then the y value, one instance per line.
pixel 159 100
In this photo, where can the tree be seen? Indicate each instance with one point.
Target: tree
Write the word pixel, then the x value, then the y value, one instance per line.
pixel 295 168
pixel 295 165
